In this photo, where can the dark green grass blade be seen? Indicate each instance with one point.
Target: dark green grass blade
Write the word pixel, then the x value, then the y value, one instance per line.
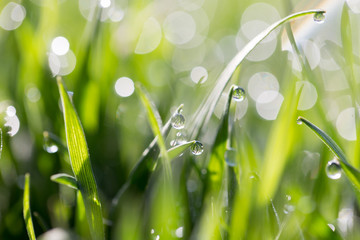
pixel 352 173
pixel 177 150
pixel 26 209
pixel 207 109
pixel 80 163
pixel 217 159
pixel 65 179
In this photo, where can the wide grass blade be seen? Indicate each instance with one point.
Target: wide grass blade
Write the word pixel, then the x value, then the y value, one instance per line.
pixel 65 179
pixel 352 173
pixel 80 163
pixel 155 124
pixel 177 150
pixel 26 209
pixel 207 109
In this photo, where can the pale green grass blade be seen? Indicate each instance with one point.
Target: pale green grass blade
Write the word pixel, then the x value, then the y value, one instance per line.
pixel 65 179
pixel 177 150
pixel 281 143
pixel 140 174
pixel 26 209
pixel 352 173
pixel 80 163
pixel 155 124
pixel 207 109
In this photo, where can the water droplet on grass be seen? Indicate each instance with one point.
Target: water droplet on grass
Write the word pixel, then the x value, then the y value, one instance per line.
pixel 333 169
pixel 230 157
pixel 319 17
pixel 49 145
pixel 299 122
pixel 238 94
pixel 178 121
pixel 197 148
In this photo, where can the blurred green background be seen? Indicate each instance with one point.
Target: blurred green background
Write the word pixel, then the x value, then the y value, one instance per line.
pixel 177 49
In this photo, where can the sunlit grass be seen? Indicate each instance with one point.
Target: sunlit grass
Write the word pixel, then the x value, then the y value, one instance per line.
pixel 179 146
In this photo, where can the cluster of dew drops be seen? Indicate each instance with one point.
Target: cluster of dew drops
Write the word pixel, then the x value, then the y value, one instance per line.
pixel 178 123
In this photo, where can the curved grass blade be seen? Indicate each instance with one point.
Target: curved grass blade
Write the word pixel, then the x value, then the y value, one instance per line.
pixel 177 150
pixel 80 163
pixel 206 110
pixel 140 174
pixel 352 173
pixel 155 124
pixel 26 209
pixel 65 179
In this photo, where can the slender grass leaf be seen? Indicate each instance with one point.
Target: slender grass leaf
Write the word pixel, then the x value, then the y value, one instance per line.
pixel 177 150
pixel 352 173
pixel 280 144
pixel 80 163
pixel 217 159
pixel 140 174
pixel 26 209
pixel 1 142
pixel 206 110
pixel 65 179
pixel 155 124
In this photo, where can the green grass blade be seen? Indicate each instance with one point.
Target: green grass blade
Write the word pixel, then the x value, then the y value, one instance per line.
pixel 155 124
pixel 26 209
pixel 1 142
pixel 208 107
pixel 81 166
pixel 65 179
pixel 177 150
pixel 140 174
pixel 217 158
pixel 352 173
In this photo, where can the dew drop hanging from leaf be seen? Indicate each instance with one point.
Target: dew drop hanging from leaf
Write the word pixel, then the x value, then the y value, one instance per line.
pixel 178 121
pixel 238 94
pixel 333 169
pixel 319 17
pixel 49 144
pixel 197 148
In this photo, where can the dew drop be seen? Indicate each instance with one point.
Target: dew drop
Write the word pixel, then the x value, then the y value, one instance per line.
pixel 230 157
pixel 49 145
pixel 197 148
pixel 319 17
pixel 71 95
pixel 288 208
pixel 299 121
pixel 333 169
pixel 178 121
pixel 238 94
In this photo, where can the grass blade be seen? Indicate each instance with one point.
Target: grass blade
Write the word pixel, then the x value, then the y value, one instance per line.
pixel 140 174
pixel 80 163
pixel 155 124
pixel 65 179
pixel 177 150
pixel 26 209
pixel 352 173
pixel 207 109
pixel 217 158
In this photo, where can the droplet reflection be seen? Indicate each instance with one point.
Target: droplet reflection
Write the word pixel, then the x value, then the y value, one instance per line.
pixel 197 148
pixel 333 169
